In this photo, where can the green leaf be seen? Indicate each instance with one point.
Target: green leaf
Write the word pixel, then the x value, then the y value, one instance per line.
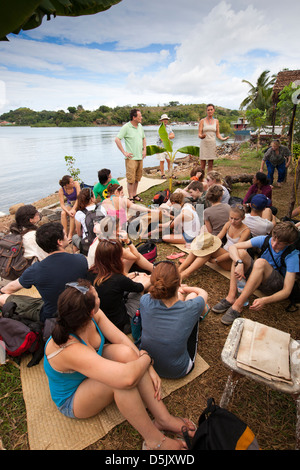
pixel 16 15
pixel 153 149
pixel 162 131
pixel 190 150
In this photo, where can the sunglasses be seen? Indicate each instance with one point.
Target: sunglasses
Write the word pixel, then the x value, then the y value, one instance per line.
pixel 108 240
pixel 76 286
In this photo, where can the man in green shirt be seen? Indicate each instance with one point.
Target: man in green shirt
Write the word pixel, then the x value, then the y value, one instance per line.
pixel 135 143
pixel 105 179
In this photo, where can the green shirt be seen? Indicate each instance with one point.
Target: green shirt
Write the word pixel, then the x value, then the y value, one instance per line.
pixel 133 137
pixel 100 189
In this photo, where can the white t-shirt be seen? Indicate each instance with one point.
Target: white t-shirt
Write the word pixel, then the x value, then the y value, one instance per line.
pixel 191 227
pixel 258 225
pixel 31 248
pixel 80 217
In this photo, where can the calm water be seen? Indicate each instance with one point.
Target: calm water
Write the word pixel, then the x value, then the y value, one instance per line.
pixel 32 159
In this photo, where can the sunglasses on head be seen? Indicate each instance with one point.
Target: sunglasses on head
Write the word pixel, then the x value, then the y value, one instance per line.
pixel 78 287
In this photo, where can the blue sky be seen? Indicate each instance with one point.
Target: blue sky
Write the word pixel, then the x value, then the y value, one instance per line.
pixel 152 52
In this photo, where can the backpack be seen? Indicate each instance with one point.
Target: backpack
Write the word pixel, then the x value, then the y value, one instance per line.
pixel 21 335
pixel 90 218
pixel 148 249
pixel 294 296
pixel 12 261
pixel 161 197
pixel 219 429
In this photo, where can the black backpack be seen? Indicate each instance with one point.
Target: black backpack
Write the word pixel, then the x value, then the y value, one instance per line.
pixel 219 429
pixel 90 218
pixel 294 296
pixel 20 335
pixel 12 261
pixel 161 197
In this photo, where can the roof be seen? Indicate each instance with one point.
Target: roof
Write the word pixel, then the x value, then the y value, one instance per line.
pixel 284 79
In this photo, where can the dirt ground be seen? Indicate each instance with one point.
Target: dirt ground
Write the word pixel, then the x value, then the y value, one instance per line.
pixel 270 415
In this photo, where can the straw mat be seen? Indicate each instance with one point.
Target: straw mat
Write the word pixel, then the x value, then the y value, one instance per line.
pixel 144 184
pixel 48 429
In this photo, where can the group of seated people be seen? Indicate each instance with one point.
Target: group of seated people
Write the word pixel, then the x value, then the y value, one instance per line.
pixel 93 298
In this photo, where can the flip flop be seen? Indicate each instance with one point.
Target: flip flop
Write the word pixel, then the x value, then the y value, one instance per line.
pixel 137 198
pixel 175 255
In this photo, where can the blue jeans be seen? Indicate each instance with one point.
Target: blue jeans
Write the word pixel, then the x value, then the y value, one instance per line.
pixel 281 171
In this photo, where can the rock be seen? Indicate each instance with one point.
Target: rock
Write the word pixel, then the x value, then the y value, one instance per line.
pixel 13 209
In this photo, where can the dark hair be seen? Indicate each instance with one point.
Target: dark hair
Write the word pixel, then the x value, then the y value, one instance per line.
pixel 65 180
pixel 22 222
pixel 214 193
pixel 47 236
pixel 133 113
pixel 207 106
pixel 84 198
pixel 197 169
pixel 103 175
pixel 195 185
pixel 262 178
pixel 108 260
pixel 111 188
pixel 74 311
pixel 165 280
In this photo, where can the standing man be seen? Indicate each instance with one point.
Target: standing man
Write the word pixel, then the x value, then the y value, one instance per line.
pixel 277 156
pixel 164 156
pixel 135 143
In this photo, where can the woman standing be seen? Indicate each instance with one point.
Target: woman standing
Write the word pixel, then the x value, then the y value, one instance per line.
pixel 208 131
pixel 86 373
pixel 68 194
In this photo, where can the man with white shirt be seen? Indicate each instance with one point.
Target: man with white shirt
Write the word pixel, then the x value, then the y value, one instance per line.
pixel 255 221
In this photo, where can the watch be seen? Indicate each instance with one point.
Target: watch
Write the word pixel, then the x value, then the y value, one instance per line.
pixel 239 261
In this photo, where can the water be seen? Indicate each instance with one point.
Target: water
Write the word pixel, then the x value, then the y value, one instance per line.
pixel 32 158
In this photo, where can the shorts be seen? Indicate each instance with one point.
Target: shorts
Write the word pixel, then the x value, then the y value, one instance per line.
pixel 28 307
pixel 76 240
pixel 187 238
pixel 67 407
pixel 163 156
pixel 270 286
pixel 134 170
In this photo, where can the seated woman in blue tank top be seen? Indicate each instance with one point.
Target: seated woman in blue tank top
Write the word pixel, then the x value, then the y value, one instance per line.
pixel 86 374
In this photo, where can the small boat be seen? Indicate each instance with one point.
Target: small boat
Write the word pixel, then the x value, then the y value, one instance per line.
pixel 241 126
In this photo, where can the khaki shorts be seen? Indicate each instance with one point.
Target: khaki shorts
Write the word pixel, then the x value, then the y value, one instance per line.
pixel 134 170
pixel 270 286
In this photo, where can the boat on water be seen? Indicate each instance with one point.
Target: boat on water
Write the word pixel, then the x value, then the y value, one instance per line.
pixel 241 126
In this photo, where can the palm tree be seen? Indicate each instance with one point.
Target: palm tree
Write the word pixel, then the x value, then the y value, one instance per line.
pixel 259 95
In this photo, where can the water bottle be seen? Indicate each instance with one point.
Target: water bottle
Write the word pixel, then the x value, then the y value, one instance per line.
pixel 136 319
pixel 136 327
pixel 240 286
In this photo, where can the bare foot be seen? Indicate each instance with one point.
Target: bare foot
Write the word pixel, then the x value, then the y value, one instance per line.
pixel 165 444
pixel 175 425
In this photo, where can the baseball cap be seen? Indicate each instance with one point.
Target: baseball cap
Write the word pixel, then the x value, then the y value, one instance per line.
pixel 260 202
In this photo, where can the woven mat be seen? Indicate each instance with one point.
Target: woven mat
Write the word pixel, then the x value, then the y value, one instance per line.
pixel 144 184
pixel 48 429
pixel 216 268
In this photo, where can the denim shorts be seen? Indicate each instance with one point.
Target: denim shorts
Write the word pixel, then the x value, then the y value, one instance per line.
pixel 67 407
pixel 187 238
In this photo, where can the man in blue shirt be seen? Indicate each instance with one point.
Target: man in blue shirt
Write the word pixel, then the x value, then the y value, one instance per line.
pixel 267 273
pixel 48 276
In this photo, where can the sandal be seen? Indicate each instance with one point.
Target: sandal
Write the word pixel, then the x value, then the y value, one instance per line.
pixel 175 255
pixel 163 176
pixel 137 198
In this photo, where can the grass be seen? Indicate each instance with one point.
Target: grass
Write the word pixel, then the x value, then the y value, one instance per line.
pixel 270 415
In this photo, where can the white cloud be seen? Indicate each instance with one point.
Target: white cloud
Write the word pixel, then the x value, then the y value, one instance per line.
pixel 217 44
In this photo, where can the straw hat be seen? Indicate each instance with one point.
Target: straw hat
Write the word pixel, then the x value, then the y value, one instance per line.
pixel 164 116
pixel 205 244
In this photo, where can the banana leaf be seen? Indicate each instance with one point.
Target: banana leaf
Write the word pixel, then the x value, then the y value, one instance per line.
pixel 153 149
pixel 190 150
pixel 16 15
pixel 162 131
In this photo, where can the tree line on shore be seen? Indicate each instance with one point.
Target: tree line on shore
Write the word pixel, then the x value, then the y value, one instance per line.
pixel 77 116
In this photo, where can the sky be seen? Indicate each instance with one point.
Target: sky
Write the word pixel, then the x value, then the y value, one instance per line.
pixel 150 52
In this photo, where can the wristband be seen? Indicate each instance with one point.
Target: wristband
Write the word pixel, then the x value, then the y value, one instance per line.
pixel 130 243
pixel 151 358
